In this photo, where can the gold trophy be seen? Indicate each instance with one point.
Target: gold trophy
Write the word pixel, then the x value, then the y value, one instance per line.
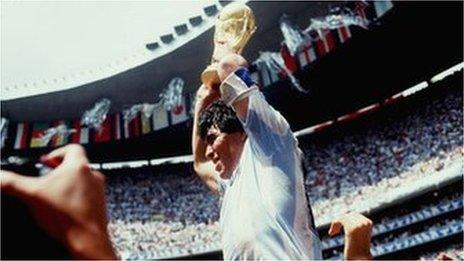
pixel 234 27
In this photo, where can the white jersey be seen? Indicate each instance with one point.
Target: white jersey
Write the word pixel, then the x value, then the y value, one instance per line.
pixel 264 213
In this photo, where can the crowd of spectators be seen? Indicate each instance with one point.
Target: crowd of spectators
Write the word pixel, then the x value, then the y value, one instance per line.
pixel 171 213
pixel 425 212
pixel 166 214
pixel 381 155
pixel 453 252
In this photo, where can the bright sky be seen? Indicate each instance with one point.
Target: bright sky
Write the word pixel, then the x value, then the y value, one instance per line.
pixel 46 40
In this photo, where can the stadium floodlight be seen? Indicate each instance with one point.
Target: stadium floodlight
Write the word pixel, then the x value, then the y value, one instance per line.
pixel 447 73
pixel 152 46
pixel 181 29
pixel 211 10
pixel 167 38
pixel 196 20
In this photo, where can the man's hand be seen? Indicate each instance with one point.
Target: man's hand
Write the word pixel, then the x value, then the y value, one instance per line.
pixel 68 203
pixel 358 230
pixel 205 96
pixel 229 63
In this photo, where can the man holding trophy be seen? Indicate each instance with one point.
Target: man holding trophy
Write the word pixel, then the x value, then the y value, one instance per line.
pixel 246 151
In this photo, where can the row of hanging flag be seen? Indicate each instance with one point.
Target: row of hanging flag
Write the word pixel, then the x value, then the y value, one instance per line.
pixel 326 42
pixel 114 127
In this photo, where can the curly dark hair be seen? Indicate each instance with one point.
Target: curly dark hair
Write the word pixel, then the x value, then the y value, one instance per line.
pixel 220 115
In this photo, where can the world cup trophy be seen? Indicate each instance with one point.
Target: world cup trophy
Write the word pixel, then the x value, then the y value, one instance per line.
pixel 234 27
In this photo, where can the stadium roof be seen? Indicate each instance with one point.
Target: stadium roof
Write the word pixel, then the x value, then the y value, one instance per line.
pixel 52 46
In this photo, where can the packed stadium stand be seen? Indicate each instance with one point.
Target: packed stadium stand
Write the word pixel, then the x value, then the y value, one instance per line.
pixel 382 134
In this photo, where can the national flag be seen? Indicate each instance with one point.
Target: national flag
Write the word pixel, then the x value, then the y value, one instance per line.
pixel 274 73
pixel 117 126
pixel 103 134
pixel 193 100
pixel 271 73
pixel 134 126
pixel 81 135
pixel 360 10
pixel 344 33
pixel 307 55
pixel 325 43
pixel 125 129
pixel 76 136
pixel 289 60
pixel 160 118
pixel 3 131
pixel 37 135
pixel 179 112
pixel 60 138
pixel 84 137
pixel 264 72
pixel 321 46
pixel 146 123
pixel 22 133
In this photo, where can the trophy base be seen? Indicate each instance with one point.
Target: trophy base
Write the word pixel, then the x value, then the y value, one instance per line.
pixel 210 76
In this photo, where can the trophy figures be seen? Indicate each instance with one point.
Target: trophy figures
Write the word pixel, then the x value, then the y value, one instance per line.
pixel 234 27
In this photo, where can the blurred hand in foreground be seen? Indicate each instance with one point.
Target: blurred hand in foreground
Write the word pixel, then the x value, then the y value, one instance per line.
pixel 68 203
pixel 358 230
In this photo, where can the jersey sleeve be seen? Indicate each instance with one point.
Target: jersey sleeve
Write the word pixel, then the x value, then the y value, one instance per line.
pixel 268 131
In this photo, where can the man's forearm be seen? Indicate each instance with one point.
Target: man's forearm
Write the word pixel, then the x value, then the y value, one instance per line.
pixel 198 146
pixel 203 168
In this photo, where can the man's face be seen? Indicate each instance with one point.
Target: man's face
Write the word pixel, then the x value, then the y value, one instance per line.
pixel 224 150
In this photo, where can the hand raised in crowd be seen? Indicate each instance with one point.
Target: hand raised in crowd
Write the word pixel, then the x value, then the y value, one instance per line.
pixel 68 203
pixel 358 230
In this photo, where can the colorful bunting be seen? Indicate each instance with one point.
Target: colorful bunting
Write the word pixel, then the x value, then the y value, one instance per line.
pixel 289 61
pixel 104 133
pixel 117 126
pixel 22 132
pixel 146 123
pixel 38 131
pixel 60 138
pixel 179 113
pixel 160 118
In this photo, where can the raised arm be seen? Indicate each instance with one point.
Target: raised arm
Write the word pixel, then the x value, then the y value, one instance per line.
pixel 227 66
pixel 203 167
pixel 267 128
